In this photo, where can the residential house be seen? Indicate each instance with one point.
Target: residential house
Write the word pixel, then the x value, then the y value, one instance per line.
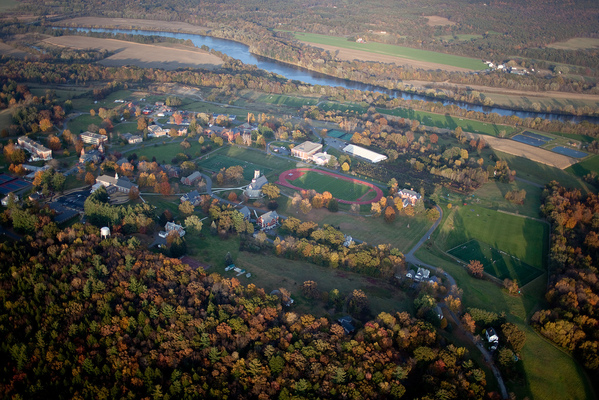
pixel 156 131
pixel 171 226
pixel 115 183
pixel 93 138
pixel 409 197
pixel 254 189
pixel 268 220
pixel 245 211
pixel 192 179
pixel 346 323
pixel 193 197
pixel 35 148
pixel 306 150
pixel 492 338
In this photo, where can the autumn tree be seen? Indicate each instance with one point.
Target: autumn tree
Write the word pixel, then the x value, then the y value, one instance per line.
pixel 389 214
pixel 475 268
pixel 310 289
pixel 90 179
pixel 513 336
pixel 271 190
pixel 358 302
pixel 186 208
pixel 193 224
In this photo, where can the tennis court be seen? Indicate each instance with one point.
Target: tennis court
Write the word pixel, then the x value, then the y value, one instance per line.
pixel 339 135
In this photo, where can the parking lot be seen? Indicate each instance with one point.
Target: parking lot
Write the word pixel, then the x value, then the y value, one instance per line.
pixel 74 200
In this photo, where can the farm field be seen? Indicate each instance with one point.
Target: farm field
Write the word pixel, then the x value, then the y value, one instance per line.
pixel 449 122
pixel 524 238
pixel 550 373
pixel 496 262
pixel 391 50
pixel 576 44
pixel 540 173
pixel 584 167
pixel 169 56
pixel 340 189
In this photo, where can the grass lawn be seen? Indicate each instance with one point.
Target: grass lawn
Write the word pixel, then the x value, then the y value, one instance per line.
pixel 590 164
pixel 492 195
pixel 288 101
pixel 215 163
pixel 541 173
pixel 449 122
pixel 340 189
pixel 391 50
pixel 126 127
pixel 550 373
pixel 5 118
pixel 80 124
pixel 521 237
pixel 271 273
pixel 256 157
pixel 403 233
pixel 6 5
pixel 164 153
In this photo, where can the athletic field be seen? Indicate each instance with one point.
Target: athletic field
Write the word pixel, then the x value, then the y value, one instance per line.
pixel 215 162
pixel 496 262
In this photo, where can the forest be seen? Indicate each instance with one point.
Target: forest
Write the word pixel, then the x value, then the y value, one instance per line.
pixel 571 320
pixel 83 317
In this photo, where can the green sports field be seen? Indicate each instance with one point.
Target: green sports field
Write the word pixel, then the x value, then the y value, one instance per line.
pixel 496 262
pixel 340 189
pixel 392 50
pixel 523 238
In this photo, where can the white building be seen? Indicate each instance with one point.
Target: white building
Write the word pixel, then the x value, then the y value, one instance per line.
pixel 321 158
pixel 363 153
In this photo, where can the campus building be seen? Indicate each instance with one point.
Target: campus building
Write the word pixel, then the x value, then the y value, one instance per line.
pixel 36 149
pixel 93 138
pixel 306 150
pixel 364 154
pixel 114 184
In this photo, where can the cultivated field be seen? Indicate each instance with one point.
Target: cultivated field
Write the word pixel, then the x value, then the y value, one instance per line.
pixel 576 44
pixel 380 52
pixel 7 50
pixel 131 23
pixel 435 20
pixel 531 152
pixel 166 56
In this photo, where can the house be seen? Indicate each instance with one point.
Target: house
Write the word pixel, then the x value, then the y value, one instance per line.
pixel 422 274
pixel 93 138
pixel 321 158
pixel 306 150
pixel 254 189
pixel 116 183
pixel 35 148
pixel 268 220
pixel 347 240
pixel 193 197
pixel 346 324
pixel 170 227
pixel 409 197
pixel 172 171
pixel 492 338
pixel 182 131
pixel 156 131
pixel 131 139
pixel 192 179
pixel 6 199
pixel 286 300
pixel 245 211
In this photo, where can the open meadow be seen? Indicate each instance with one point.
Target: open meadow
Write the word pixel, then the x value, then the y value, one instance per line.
pixel 386 52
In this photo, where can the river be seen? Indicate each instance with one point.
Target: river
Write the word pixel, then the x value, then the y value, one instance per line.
pixel 241 52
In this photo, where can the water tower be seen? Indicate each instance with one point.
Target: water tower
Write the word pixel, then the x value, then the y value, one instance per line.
pixel 105 232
